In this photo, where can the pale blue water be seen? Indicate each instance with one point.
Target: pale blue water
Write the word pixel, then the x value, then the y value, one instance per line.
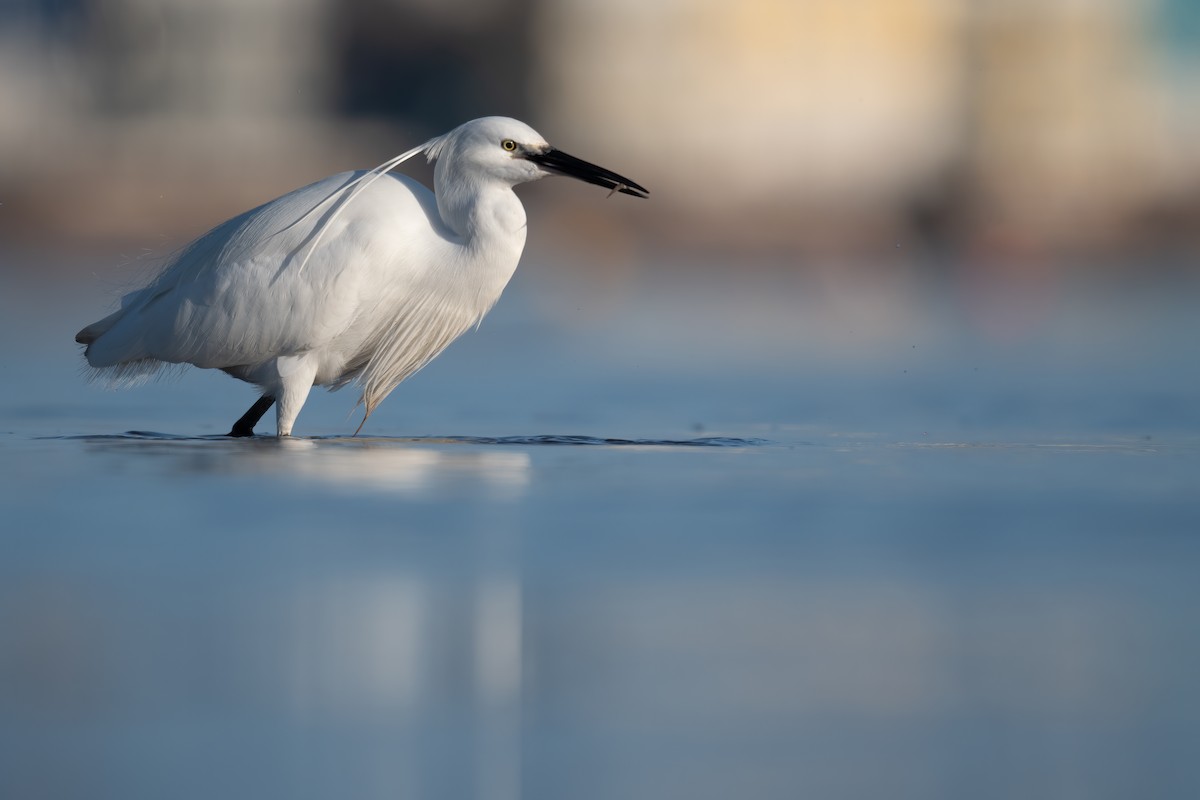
pixel 700 536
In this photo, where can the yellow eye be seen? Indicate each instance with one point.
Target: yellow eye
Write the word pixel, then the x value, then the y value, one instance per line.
pixel 509 145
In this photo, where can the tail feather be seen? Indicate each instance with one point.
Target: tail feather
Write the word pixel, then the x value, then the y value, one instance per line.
pixel 97 329
pixel 107 360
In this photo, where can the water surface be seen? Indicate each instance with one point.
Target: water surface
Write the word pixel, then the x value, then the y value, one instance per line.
pixel 726 541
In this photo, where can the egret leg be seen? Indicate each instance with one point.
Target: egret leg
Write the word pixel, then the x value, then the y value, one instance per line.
pixel 245 425
pixel 296 375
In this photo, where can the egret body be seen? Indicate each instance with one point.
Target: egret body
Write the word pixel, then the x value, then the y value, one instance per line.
pixel 361 278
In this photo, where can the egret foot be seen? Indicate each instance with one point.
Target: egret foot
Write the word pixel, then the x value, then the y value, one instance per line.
pixel 245 425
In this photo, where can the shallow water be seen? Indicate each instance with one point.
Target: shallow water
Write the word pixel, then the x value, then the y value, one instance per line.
pixel 730 542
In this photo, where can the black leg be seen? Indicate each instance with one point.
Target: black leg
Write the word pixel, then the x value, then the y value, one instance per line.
pixel 245 425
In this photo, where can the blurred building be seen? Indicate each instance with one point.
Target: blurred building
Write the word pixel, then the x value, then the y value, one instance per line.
pixel 1055 121
pixel 1048 125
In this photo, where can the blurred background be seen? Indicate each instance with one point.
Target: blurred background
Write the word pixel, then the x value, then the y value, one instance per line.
pixel 958 130
pixel 887 407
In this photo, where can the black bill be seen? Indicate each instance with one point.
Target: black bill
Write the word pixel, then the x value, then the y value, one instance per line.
pixel 558 161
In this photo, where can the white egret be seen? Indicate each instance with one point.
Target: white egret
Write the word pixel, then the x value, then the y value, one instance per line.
pixel 359 278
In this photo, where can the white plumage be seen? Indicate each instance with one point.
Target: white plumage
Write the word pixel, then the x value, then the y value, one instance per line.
pixel 362 277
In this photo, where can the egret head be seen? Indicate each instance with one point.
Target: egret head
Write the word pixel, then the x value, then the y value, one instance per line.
pixel 508 150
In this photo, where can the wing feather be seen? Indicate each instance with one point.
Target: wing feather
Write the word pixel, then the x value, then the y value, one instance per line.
pixel 238 296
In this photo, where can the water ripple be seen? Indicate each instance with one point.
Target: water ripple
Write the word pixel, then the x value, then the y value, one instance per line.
pixel 523 441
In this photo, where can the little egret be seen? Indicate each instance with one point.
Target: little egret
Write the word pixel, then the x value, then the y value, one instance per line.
pixel 359 278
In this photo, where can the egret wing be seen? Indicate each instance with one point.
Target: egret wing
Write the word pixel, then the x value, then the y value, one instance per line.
pixel 261 285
